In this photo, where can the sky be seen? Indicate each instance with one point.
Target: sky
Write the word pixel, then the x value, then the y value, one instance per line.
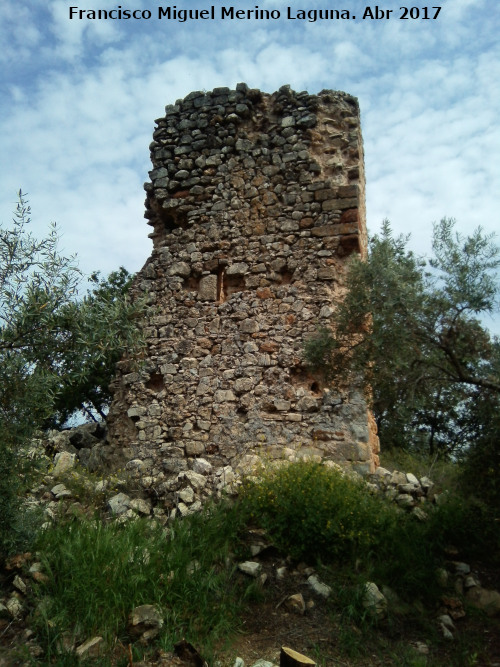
pixel 78 100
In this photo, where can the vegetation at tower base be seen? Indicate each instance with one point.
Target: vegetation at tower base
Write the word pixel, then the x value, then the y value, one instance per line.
pixel 298 523
pixel 432 367
pixel 57 351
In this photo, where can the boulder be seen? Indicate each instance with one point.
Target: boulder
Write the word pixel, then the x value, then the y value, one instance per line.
pixel 145 622
pixel 485 599
pixel 119 504
pixel 374 601
pixel 63 461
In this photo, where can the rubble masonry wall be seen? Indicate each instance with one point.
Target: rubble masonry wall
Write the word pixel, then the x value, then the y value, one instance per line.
pixel 256 202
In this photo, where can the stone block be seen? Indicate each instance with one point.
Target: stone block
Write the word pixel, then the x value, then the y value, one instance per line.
pixel 250 240
pixel 194 448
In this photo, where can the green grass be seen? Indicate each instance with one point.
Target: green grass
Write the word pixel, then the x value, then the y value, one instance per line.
pixel 98 572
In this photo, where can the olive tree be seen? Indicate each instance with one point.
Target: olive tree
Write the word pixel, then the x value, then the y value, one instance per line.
pixel 411 328
pixel 57 348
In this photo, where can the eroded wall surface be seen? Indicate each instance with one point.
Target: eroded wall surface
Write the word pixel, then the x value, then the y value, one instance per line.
pixel 256 202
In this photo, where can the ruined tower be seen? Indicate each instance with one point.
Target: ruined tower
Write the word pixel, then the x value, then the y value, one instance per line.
pixel 256 201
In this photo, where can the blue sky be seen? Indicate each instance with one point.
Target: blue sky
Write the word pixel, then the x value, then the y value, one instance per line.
pixel 78 99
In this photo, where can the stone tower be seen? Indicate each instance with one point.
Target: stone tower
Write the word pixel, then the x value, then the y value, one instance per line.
pixel 256 201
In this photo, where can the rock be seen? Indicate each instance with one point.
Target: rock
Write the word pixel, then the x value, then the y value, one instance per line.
pixel 485 599
pixel 194 448
pixel 398 478
pixel 101 486
pixel 412 479
pixel 141 506
pixel 64 461
pixel 374 601
pixel 60 491
pixel 145 622
pixel 202 466
pixel 470 581
pixel 136 465
pixel 319 587
pixel 91 648
pixel 453 606
pixel 196 480
pixel 256 549
pixel 405 500
pixel 183 509
pixel 421 647
pixel 136 411
pixel 447 621
pixel 382 472
pixel 420 514
pixel 39 577
pixel 186 495
pixel 295 604
pixel 426 484
pixel 119 504
pixel 14 607
pixel 251 568
pixel 447 634
pixel 18 561
pixel 87 436
pixel 19 584
pixel 128 515
pixel 461 568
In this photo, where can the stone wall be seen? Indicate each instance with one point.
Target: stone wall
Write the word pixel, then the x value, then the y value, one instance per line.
pixel 256 201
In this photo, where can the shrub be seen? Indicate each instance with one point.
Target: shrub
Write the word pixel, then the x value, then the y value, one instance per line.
pixel 467 524
pixel 316 512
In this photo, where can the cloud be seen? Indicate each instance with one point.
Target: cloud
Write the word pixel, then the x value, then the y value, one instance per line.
pixel 78 108
pixel 73 36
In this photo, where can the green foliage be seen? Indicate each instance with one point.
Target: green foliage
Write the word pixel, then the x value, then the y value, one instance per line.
pixel 482 460
pixel 467 524
pixel 99 572
pixel 317 513
pixel 102 326
pixel 314 512
pixel 57 352
pixel 35 282
pixel 410 330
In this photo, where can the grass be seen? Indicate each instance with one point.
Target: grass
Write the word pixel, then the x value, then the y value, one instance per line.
pixel 99 570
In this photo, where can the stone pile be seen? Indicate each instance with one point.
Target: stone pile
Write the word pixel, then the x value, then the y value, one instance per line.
pixel 256 202
pixel 405 489
pixel 144 494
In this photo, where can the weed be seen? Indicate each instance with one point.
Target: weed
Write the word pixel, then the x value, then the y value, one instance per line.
pixel 98 572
